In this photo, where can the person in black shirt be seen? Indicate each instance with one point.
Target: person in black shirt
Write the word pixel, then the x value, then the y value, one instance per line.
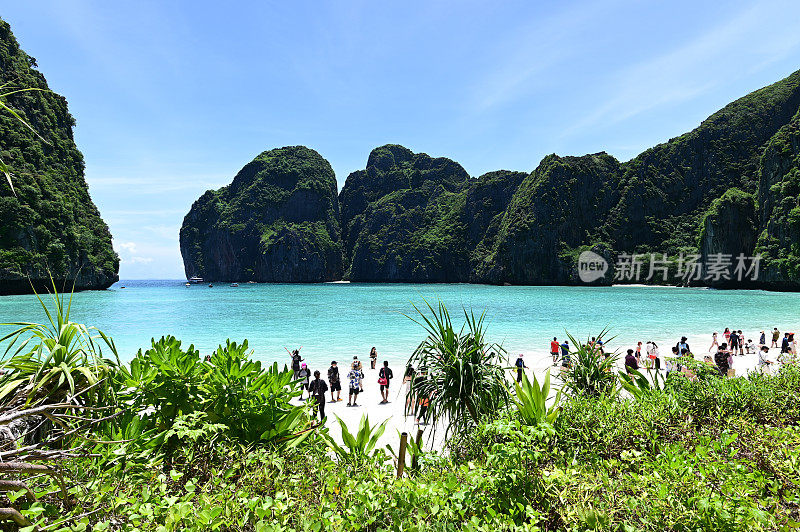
pixel 384 376
pixel 317 389
pixel 734 340
pixel 296 359
pixel 785 343
pixel 336 383
pixel 721 359
pixel 630 362
pixel 520 366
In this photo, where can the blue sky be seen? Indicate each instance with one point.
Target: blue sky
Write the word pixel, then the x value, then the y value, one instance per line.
pixel 173 98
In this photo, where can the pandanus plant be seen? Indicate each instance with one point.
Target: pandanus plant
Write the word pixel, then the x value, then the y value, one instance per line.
pixel 50 362
pixel 461 374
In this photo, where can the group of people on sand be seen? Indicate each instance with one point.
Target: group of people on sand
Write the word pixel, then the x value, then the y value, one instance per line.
pixel 317 387
pixel 720 355
pixel 648 355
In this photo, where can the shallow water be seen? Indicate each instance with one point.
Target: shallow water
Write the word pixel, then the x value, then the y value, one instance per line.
pixel 339 320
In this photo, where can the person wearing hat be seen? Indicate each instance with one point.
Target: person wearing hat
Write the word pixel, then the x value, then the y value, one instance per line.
pixel 354 376
pixel 305 376
pixel 520 366
pixel 336 384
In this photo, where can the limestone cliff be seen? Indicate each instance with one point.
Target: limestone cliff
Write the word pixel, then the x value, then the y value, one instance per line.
pixel 278 221
pixel 51 225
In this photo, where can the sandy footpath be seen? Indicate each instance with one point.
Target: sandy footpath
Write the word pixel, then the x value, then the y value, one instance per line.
pixel 538 363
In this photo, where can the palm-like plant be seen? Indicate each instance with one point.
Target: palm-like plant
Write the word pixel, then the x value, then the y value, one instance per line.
pixel 531 401
pixel 592 371
pixel 360 446
pixel 52 361
pixel 462 378
pixel 638 385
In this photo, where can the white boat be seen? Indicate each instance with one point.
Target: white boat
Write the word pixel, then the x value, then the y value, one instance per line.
pixel 196 280
pixel 234 285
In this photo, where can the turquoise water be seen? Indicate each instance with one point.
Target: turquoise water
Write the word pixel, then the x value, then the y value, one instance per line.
pixel 339 320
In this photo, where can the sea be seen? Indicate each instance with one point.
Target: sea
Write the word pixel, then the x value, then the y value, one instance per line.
pixel 336 321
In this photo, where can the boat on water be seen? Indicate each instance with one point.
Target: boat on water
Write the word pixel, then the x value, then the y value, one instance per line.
pixel 234 285
pixel 195 280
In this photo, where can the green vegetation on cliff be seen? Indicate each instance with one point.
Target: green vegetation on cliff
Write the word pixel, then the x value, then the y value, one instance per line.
pixel 411 217
pixel 51 223
pixel 278 221
pixel 779 198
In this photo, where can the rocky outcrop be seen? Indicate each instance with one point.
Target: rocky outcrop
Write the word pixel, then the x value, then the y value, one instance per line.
pixel 278 221
pixel 728 231
pixel 403 226
pixel 557 210
pixel 413 218
pixel 50 226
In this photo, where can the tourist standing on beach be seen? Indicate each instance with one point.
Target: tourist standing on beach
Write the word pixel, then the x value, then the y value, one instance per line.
pixel 631 362
pixel 336 383
pixel 385 375
pixel 714 342
pixel 763 340
pixel 734 342
pixel 317 389
pixel 359 367
pixel 763 361
pixel 520 364
pixel 354 377
pixel 554 348
pixel 653 355
pixel 424 399
pixel 727 334
pixel 683 347
pixel 639 353
pixel 296 359
pixel 408 377
pixel 785 343
pixel 721 359
pixel 373 357
pixel 565 360
pixel 305 375
pixel 775 335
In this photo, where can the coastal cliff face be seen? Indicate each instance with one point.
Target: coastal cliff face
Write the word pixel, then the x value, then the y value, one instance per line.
pixel 51 225
pixel 779 200
pixel 731 186
pixel 413 218
pixel 729 227
pixel 555 213
pixel 278 221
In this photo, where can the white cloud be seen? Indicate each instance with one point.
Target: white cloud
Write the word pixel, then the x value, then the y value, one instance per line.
pixel 130 247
